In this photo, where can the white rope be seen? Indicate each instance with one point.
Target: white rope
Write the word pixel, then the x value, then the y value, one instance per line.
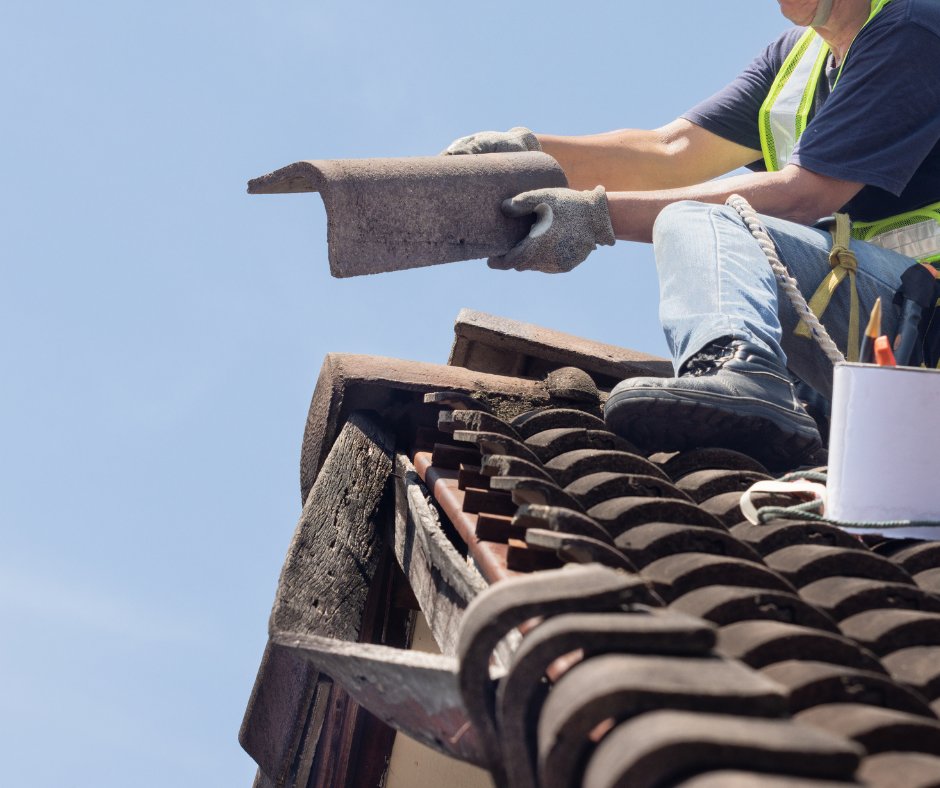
pixel 789 285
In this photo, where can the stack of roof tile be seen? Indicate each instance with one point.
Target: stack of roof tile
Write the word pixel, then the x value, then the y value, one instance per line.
pixel 848 634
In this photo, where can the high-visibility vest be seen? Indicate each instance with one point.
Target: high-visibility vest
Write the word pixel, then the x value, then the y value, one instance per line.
pixel 783 119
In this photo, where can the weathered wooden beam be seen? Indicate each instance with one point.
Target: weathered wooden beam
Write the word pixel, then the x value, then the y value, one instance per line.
pixel 441 579
pixel 262 780
pixel 412 691
pixel 353 747
pixel 323 589
pixel 335 550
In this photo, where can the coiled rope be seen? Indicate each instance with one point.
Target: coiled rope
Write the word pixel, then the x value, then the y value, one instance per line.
pixel 810 511
pixel 787 283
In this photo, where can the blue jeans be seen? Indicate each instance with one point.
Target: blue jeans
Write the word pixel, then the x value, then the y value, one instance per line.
pixel 716 282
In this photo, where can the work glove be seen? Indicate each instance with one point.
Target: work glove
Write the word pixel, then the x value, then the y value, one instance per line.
pixel 516 140
pixel 569 225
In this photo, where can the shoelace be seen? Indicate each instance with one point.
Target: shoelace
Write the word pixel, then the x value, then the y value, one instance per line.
pixel 707 360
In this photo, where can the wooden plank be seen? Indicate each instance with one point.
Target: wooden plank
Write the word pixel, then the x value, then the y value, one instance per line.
pixel 277 712
pixel 355 747
pixel 412 691
pixel 323 589
pixel 262 780
pixel 440 577
pixel 334 553
pixel 501 346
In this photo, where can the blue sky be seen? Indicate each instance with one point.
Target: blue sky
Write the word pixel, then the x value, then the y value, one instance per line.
pixel 162 331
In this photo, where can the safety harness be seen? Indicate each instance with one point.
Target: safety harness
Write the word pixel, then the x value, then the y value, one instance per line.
pixel 783 118
pixel 843 264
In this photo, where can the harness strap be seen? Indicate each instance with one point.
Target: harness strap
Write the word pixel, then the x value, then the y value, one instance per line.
pixel 842 263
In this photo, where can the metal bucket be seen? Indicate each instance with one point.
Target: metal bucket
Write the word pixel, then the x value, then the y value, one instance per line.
pixel 885 445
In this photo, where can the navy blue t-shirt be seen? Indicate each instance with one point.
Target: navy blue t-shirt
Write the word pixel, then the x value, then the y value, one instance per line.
pixel 880 125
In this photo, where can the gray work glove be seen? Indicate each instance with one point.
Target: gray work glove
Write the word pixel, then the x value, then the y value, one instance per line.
pixel 569 226
pixel 516 140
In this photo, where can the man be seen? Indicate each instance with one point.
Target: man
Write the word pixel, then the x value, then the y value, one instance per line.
pixel 843 115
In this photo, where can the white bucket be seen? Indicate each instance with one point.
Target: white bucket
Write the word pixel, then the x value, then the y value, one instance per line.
pixel 884 448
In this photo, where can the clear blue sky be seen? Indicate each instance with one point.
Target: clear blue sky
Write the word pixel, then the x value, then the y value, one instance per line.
pixel 162 331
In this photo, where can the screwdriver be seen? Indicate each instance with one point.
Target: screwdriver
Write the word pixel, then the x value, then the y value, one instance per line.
pixel 866 353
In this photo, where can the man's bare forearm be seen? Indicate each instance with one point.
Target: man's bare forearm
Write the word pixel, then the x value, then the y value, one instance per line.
pixel 793 194
pixel 630 159
pixel 678 154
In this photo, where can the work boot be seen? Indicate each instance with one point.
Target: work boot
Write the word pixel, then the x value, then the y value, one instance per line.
pixel 732 394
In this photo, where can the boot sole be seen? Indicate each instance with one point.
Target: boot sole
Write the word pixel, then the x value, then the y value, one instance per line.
pixel 668 420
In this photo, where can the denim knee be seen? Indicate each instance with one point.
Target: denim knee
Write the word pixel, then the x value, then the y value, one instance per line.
pixel 674 218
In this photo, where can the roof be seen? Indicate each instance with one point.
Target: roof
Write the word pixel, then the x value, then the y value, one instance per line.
pixel 618 621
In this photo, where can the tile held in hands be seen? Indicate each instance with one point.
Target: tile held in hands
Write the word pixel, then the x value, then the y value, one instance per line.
pixel 393 214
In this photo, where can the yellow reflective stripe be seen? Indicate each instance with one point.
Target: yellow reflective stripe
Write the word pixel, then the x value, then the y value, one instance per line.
pixel 914 233
pixel 772 147
pixel 783 113
pixel 918 240
pixel 809 92
pixel 767 144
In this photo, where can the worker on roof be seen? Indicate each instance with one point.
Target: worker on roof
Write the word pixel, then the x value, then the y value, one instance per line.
pixel 841 113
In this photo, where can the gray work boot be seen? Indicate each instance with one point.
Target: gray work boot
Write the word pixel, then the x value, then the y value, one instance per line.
pixel 731 394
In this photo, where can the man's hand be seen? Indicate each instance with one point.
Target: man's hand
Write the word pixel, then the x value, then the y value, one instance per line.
pixel 569 226
pixel 516 140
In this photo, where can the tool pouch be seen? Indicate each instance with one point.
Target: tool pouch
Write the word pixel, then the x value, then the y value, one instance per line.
pixel 922 289
pixel 930 330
